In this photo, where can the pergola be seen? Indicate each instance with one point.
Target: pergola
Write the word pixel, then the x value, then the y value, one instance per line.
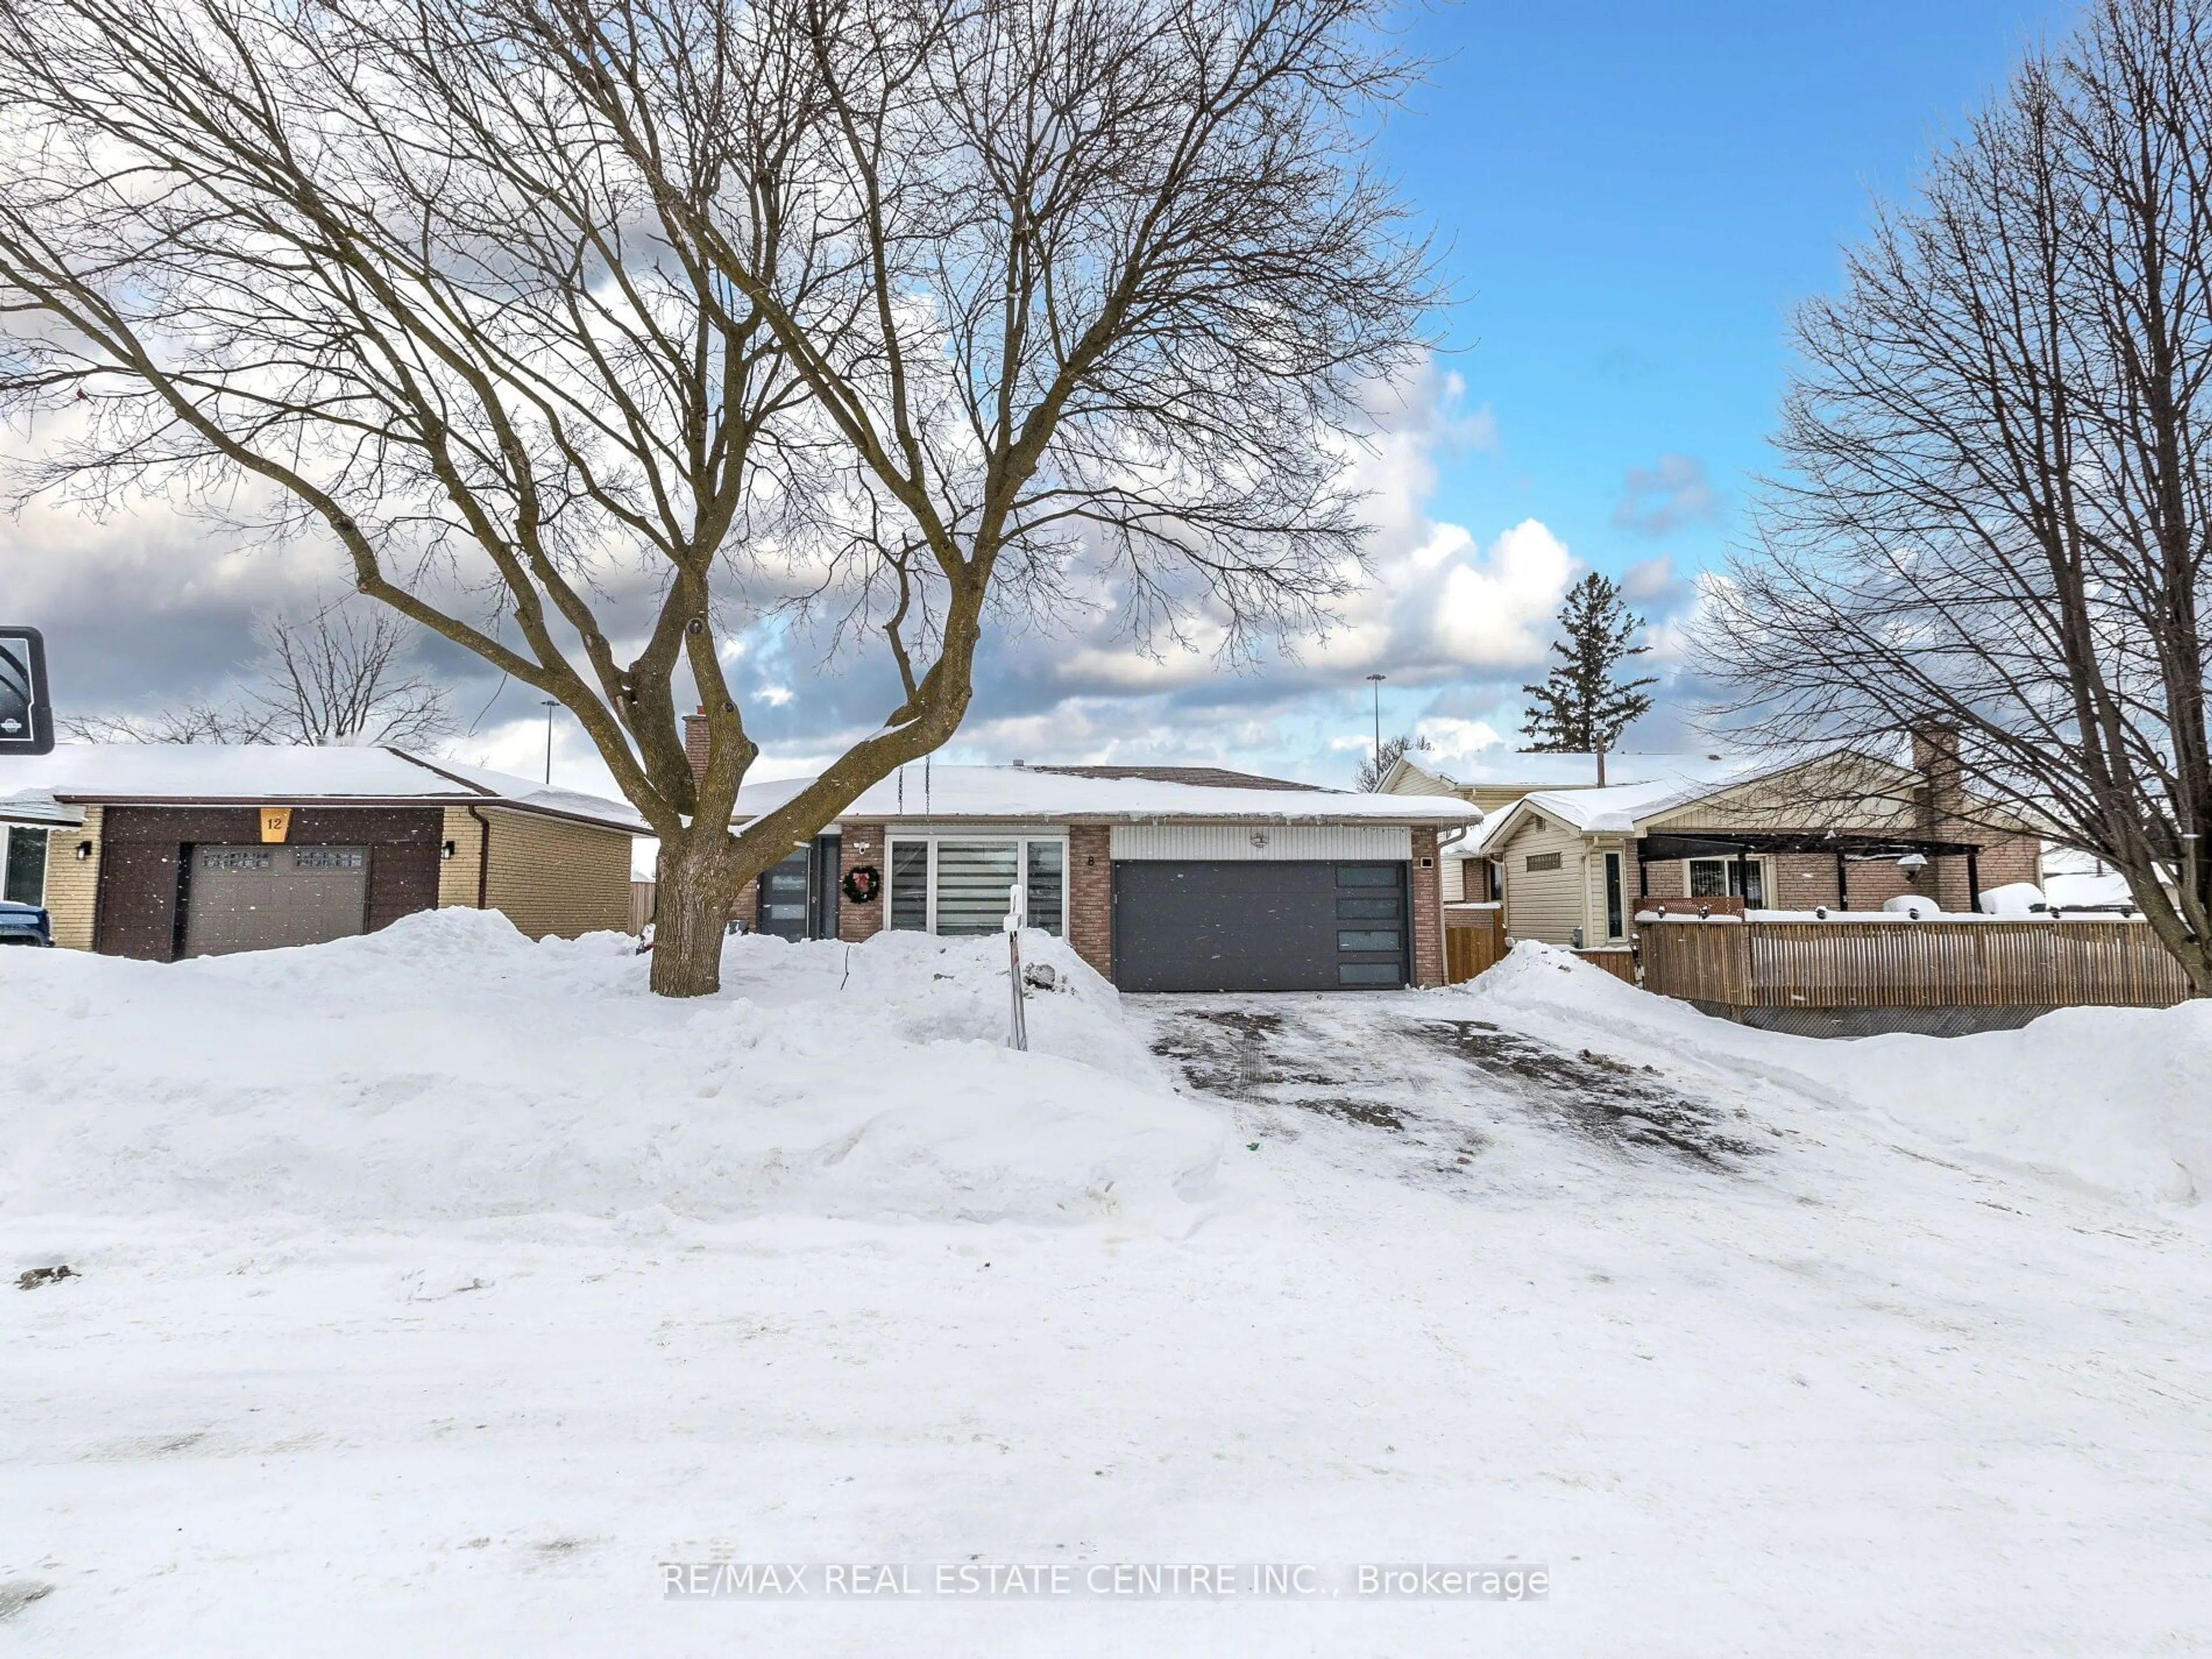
pixel 1847 845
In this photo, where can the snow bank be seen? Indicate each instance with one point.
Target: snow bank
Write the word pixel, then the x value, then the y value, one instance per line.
pixel 447 1068
pixel 2109 1098
pixel 2112 1098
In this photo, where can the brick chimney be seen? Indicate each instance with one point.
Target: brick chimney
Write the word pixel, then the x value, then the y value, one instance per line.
pixel 1939 799
pixel 694 742
pixel 1940 792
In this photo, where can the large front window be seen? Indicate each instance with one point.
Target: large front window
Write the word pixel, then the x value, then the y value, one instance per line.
pixel 25 880
pixel 961 884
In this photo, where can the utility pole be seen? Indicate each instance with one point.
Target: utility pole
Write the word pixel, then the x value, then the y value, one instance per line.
pixel 551 703
pixel 1376 680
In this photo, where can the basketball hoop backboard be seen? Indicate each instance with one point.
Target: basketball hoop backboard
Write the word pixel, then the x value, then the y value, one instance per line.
pixel 27 721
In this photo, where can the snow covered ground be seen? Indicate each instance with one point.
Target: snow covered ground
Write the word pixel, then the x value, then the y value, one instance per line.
pixel 438 1288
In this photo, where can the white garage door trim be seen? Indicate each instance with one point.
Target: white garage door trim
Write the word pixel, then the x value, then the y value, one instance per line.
pixel 1388 842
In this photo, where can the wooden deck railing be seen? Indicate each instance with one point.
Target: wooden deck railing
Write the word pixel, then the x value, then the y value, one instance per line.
pixel 1912 964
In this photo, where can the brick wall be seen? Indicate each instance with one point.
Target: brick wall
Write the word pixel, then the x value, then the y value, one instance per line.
pixel 1091 895
pixel 1803 881
pixel 1428 911
pixel 457 876
pixel 746 909
pixel 73 883
pixel 549 876
pixel 2016 858
pixel 1657 882
pixel 862 843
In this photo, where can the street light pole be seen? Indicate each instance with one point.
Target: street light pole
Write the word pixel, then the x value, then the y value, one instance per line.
pixel 1376 680
pixel 551 703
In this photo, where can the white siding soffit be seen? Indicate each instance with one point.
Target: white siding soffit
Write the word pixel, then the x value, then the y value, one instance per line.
pixel 1261 843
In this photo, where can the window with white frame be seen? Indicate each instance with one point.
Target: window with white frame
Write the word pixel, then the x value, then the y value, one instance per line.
pixel 956 884
pixel 23 873
pixel 1743 879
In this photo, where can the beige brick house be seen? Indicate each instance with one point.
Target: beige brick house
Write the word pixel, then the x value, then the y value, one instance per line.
pixel 1842 830
pixel 1163 878
pixel 162 851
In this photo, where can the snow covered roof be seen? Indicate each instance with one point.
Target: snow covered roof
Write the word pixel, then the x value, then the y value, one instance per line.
pixel 37 806
pixel 1037 792
pixel 1505 768
pixel 241 773
pixel 1618 807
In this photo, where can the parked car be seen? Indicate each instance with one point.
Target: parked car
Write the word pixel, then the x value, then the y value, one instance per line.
pixel 25 924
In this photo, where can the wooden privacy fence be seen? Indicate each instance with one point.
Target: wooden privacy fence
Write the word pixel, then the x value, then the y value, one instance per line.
pixel 1912 964
pixel 641 903
pixel 1617 960
pixel 1474 938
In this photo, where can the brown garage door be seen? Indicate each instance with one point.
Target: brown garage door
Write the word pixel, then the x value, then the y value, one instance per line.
pixel 256 898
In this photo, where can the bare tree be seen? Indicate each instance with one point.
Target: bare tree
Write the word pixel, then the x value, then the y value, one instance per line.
pixel 191 722
pixel 341 675
pixel 1996 528
pixel 344 677
pixel 577 322
pixel 1376 766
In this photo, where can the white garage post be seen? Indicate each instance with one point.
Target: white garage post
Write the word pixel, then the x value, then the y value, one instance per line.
pixel 1018 1031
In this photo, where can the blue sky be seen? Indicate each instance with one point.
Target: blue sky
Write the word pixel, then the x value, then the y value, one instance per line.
pixel 1629 198
pixel 1636 196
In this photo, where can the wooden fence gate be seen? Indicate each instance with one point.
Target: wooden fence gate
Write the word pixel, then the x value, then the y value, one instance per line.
pixel 1474 938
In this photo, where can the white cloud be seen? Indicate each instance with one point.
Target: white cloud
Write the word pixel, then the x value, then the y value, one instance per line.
pixel 1452 740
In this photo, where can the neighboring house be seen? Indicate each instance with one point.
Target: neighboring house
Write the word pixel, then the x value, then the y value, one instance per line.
pixel 163 851
pixel 1843 830
pixel 1496 783
pixel 1163 878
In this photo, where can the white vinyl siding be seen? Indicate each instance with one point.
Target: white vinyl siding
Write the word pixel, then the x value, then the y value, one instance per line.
pixel 1177 843
pixel 1546 904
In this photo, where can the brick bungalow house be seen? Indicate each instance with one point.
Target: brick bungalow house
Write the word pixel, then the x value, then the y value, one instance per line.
pixel 1163 878
pixel 162 851
pixel 1842 830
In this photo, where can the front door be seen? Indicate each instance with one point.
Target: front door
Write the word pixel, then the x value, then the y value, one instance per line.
pixel 783 891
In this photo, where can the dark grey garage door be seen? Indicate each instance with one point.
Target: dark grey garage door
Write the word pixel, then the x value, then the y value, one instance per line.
pixel 1259 927
pixel 256 898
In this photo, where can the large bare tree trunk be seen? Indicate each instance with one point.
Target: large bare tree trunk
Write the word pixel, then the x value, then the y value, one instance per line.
pixel 692 907
pixel 593 336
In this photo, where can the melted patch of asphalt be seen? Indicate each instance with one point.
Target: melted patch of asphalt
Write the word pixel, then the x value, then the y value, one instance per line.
pixel 1591 1094
pixel 1393 1082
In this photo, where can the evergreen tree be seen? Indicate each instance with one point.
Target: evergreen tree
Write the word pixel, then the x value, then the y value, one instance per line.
pixel 1581 708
